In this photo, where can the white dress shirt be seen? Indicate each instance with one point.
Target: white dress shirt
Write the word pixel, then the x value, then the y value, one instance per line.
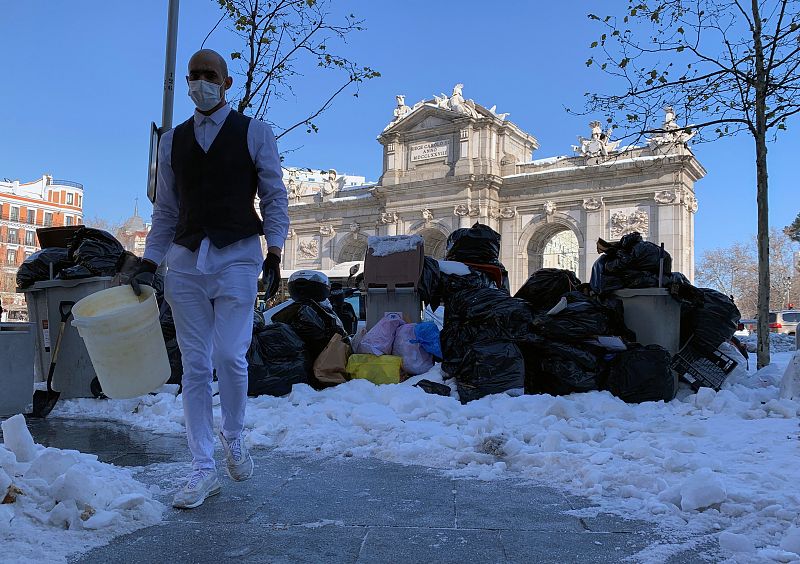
pixel 273 201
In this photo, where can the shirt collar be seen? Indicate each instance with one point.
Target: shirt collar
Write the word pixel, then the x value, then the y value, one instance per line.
pixel 217 117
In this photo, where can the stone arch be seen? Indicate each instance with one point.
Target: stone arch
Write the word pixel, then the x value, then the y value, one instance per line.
pixel 533 244
pixel 351 248
pixel 434 235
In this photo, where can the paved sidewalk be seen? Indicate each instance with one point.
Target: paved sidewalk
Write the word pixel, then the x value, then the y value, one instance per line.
pixel 319 509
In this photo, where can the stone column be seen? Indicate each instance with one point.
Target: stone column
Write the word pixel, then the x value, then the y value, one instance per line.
pixel 595 229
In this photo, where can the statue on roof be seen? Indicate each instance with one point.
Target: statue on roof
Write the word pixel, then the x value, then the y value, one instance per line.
pixel 598 144
pixel 671 133
pixel 400 111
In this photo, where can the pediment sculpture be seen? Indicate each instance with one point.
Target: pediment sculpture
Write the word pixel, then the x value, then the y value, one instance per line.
pixel 624 222
pixel 309 248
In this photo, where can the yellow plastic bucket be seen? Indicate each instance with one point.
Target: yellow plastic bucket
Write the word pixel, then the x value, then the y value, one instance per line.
pixel 123 337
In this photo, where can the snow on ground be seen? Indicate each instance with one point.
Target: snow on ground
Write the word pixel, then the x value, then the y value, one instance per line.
pixel 61 502
pixel 704 464
pixel 778 342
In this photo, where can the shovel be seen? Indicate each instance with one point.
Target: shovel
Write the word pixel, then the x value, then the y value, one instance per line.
pixel 45 401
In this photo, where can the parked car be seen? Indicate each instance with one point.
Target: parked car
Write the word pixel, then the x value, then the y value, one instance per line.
pixel 784 321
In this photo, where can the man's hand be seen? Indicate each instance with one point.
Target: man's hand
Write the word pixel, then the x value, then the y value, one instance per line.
pixel 272 274
pixel 144 274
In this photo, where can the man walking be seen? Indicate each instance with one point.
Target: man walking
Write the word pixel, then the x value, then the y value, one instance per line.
pixel 210 169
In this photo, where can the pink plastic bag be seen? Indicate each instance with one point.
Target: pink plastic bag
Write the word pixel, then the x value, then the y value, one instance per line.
pixel 380 339
pixel 416 360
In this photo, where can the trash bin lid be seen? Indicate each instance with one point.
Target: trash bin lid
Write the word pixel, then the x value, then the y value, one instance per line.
pixel 633 292
pixel 68 283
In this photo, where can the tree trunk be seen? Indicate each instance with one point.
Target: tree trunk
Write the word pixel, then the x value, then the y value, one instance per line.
pixel 762 199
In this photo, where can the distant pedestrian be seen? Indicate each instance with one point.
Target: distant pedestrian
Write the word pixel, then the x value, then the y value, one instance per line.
pixel 210 169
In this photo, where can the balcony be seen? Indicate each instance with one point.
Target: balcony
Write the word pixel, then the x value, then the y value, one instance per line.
pixel 69 183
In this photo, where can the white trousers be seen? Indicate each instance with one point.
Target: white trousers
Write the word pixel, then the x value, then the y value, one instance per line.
pixel 213 323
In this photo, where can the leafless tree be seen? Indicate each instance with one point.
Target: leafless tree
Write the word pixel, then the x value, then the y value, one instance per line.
pixel 281 38
pixel 730 66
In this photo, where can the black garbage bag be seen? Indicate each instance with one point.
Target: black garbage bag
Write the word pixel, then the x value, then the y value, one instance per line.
pixel 171 343
pixel 276 360
pixel 430 283
pixel 493 311
pixel 583 317
pixel 490 368
pixel 479 244
pixel 557 368
pixel 258 321
pixel 643 256
pixel 546 286
pixel 433 388
pixel 313 323
pixel 36 267
pixel 97 250
pixel 74 273
pixel 642 374
pixel 710 324
pixel 452 284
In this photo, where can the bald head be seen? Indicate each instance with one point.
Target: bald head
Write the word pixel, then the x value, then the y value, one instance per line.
pixel 208 59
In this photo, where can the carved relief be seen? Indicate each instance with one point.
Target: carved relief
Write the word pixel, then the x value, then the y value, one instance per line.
pixel 506 212
pixel 474 211
pixel 550 207
pixel 355 227
pixel 326 230
pixel 598 144
pixel 309 248
pixel 592 203
pixel 427 214
pixel 388 217
pixel 666 197
pixel 461 210
pixel 691 204
pixel 624 222
pixel 291 234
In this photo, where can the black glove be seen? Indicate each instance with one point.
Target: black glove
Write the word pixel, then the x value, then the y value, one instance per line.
pixel 144 274
pixel 272 275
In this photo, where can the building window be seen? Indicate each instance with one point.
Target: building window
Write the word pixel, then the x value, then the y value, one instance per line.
pixel 11 257
pixel 68 220
pixel 30 238
pixel 31 216
pixel 79 200
pixel 69 199
pixel 13 237
pixel 48 219
pixel 28 254
pixel 14 214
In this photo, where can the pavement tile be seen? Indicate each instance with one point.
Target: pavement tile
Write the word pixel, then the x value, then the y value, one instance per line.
pixel 413 545
pixel 179 543
pixel 363 493
pixel 568 547
pixel 509 505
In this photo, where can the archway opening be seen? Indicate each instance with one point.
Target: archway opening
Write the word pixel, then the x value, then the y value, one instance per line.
pixel 354 250
pixel 435 243
pixel 559 249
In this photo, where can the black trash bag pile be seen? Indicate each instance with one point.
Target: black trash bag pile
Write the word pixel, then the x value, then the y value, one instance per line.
pixel 96 251
pixel 710 324
pixel 545 287
pixel 642 373
pixel 560 369
pixel 582 318
pixel 37 266
pixel 482 329
pixel 478 245
pixel 314 323
pixel 430 283
pixel 630 263
pixel 276 360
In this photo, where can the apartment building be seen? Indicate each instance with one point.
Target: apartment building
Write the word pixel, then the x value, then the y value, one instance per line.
pixel 24 207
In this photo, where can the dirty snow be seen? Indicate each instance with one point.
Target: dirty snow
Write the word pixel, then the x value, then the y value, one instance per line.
pixel 700 466
pixel 384 246
pixel 62 502
pixel 778 342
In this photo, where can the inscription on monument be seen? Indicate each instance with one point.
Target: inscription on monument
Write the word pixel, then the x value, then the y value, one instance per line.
pixel 432 150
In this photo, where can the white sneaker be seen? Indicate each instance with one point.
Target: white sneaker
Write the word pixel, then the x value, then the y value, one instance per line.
pixel 238 461
pixel 202 484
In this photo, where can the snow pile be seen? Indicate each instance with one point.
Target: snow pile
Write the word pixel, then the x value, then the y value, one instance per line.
pixel 54 503
pixel 384 246
pixel 453 267
pixel 778 342
pixel 702 465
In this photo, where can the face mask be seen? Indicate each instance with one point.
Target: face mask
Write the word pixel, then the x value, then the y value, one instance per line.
pixel 205 95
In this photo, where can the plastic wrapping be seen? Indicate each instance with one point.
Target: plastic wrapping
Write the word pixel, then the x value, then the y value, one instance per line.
pixel 479 244
pixel 642 374
pixel 36 267
pixel 276 361
pixel 97 250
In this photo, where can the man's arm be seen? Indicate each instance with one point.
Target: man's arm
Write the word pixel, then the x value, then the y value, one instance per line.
pixel 274 202
pixel 165 209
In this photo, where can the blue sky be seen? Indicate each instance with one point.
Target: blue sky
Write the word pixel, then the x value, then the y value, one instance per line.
pixel 84 81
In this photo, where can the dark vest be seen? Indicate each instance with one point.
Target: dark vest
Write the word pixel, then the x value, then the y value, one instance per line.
pixel 216 190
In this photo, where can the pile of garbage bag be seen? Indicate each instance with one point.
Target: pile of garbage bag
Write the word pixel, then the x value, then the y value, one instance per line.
pixel 91 252
pixel 630 263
